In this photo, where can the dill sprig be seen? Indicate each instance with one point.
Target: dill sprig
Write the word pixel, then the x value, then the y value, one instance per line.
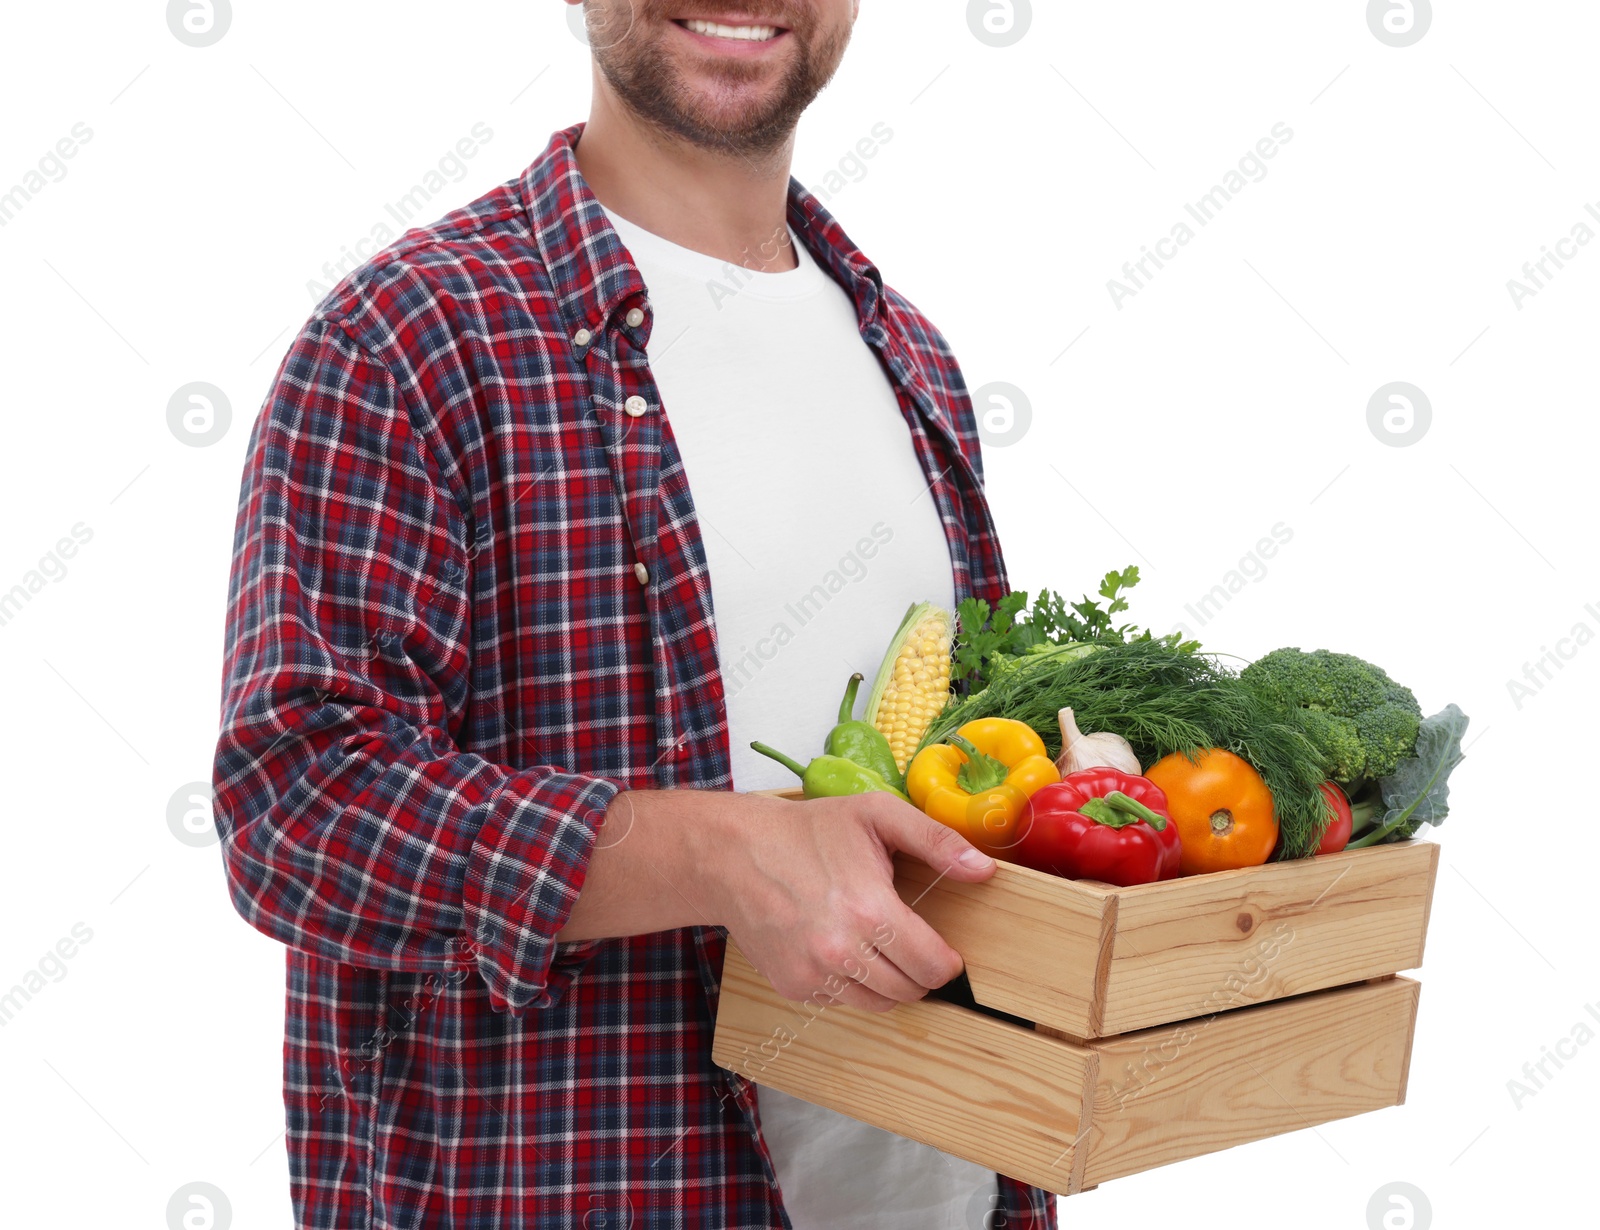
pixel 1162 700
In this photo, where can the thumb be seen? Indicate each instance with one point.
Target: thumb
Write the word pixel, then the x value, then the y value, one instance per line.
pixel 904 829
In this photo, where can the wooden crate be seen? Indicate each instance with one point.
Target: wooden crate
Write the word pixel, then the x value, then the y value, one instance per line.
pixel 1167 1020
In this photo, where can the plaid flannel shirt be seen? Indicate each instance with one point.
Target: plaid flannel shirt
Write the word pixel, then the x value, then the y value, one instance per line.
pixel 468 604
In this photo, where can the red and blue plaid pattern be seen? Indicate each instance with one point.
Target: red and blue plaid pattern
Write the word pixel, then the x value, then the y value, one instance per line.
pixel 441 665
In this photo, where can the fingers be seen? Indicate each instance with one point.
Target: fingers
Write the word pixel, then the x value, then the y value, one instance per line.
pixel 903 958
pixel 857 996
pixel 903 828
pixel 866 980
pixel 824 922
pixel 897 962
pixel 877 982
pixel 908 957
pixel 889 982
pixel 918 952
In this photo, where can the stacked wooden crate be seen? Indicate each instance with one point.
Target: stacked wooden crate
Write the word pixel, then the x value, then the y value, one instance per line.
pixel 1146 1025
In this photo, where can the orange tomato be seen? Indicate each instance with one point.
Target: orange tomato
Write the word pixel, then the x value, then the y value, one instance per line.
pixel 1222 808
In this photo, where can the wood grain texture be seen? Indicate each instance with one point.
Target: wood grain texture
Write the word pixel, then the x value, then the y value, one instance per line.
pixel 1093 960
pixel 1035 945
pixel 1188 947
pixel 1065 1116
pixel 981 1088
pixel 1180 1091
pixel 1411 1034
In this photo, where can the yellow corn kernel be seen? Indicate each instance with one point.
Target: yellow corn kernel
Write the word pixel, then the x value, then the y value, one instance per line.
pixel 913 682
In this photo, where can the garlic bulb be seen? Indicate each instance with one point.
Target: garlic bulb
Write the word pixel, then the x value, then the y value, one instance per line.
pixel 1080 751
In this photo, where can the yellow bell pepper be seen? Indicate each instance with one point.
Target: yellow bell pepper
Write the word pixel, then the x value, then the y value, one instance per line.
pixel 980 781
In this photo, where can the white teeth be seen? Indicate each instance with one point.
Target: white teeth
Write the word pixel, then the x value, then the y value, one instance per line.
pixel 754 34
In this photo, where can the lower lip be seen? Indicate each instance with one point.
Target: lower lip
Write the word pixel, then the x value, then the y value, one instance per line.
pixel 733 46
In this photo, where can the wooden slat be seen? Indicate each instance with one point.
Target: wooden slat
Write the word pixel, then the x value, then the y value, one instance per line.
pixel 1034 945
pixel 1180 1091
pixel 1411 1035
pixel 986 1090
pixel 1188 947
pixel 1091 960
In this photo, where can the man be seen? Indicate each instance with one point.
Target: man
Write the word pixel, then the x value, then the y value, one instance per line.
pixel 482 731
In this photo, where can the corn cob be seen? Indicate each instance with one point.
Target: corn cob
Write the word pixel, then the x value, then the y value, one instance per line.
pixel 913 682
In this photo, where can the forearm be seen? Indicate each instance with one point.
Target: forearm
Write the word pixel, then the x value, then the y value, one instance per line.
pixel 375 844
pixel 660 861
pixel 806 889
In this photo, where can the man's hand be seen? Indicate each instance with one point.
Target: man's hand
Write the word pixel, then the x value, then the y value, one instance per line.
pixel 806 890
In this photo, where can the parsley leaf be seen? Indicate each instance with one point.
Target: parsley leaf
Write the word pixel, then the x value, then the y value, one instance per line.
pixel 988 640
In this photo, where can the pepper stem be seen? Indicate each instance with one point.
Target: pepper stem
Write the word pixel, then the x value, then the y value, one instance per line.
pixel 981 772
pixel 793 765
pixel 1118 810
pixel 847 707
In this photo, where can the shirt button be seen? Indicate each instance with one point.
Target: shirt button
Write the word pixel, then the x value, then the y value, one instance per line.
pixel 582 337
pixel 641 572
pixel 635 318
pixel 635 406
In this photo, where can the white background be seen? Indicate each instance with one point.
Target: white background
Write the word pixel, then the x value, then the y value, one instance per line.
pixel 1227 396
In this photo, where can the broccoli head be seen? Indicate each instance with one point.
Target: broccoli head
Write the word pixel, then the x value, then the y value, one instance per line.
pixel 1389 734
pixel 1339 741
pixel 1363 722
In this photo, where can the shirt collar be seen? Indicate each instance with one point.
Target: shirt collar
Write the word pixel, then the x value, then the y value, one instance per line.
pixel 589 266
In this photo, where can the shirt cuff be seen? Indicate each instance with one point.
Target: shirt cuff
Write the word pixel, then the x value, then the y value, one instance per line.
pixel 527 867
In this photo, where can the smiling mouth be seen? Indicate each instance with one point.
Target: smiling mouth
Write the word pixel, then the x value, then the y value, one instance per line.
pixel 725 30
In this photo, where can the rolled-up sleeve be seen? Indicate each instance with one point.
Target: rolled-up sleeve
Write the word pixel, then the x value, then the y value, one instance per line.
pixel 353 827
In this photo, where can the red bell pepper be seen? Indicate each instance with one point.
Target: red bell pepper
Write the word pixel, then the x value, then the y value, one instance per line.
pixel 1100 824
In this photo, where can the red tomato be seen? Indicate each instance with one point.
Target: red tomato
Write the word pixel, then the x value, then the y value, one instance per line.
pixel 1338 835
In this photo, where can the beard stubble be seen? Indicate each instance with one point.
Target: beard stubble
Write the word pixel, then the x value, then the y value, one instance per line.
pixel 643 76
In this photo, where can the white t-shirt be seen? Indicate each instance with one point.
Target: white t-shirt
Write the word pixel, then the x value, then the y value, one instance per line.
pixel 819 531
